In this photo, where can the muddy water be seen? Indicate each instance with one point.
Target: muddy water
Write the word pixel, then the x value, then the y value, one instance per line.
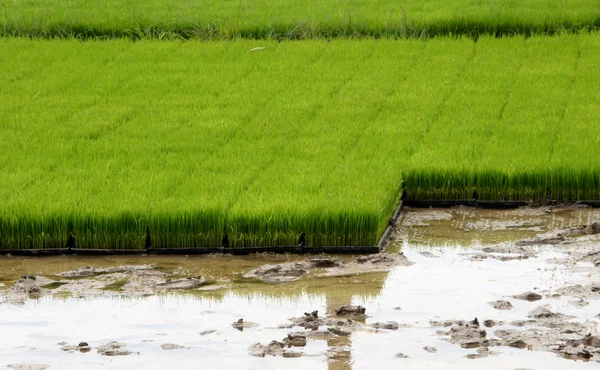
pixel 445 282
pixel 466 226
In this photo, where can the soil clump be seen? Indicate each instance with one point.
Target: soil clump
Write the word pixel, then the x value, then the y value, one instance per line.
pixel 327 266
pixel 275 348
pixel 114 349
pixel 93 271
pixel 171 346
pixel 529 296
pixel 501 305
pixel 82 347
pixel 241 325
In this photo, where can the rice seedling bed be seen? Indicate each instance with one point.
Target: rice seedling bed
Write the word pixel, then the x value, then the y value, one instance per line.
pixel 267 19
pixel 110 144
pixel 490 204
pixel 238 251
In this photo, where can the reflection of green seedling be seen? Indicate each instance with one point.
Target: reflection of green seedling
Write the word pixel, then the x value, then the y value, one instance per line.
pixel 116 286
pixel 54 285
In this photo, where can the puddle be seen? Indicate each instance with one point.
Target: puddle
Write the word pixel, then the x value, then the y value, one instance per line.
pixel 466 226
pixel 446 283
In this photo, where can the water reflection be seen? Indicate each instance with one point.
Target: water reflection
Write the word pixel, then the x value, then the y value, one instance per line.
pixel 340 359
pixel 136 320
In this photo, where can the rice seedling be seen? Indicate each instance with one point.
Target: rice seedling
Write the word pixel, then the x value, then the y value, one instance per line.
pixel 277 20
pixel 130 145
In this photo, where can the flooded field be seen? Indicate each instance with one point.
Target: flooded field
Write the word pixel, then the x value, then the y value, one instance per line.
pixel 456 289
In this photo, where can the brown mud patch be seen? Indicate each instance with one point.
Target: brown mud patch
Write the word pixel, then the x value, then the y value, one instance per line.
pixel 326 266
pixel 468 225
pixel 551 333
pixel 114 349
pixel 27 366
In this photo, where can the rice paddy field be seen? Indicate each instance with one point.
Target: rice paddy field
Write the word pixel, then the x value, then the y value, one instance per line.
pixel 129 125
pixel 111 143
pixel 261 19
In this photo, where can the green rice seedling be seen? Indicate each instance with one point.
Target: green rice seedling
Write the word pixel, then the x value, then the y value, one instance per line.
pixel 134 145
pixel 264 19
pixel 575 164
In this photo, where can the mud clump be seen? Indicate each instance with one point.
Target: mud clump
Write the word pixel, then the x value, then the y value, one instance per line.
pixel 28 286
pixel 171 346
pixel 278 273
pixel 446 323
pixel 401 355
pixel 517 344
pixel 591 229
pixel 381 262
pixel 503 253
pixel 562 235
pixel 241 325
pixel 343 327
pixel 274 348
pixel 469 335
pixel 547 331
pixel 501 305
pixel 350 310
pixel 390 325
pixel 327 266
pixel 519 339
pixel 150 282
pixel 482 352
pixel 323 262
pixel 295 340
pixel 82 347
pixel 93 271
pixel 28 366
pixel 89 281
pixel 185 283
pixel 336 326
pixel 567 343
pixel 113 349
pixel 430 349
pixel 528 296
pixel 339 332
pixel 584 349
pixel 552 240
pixel 384 259
pixel 591 291
pixel 591 340
pixel 310 320
pixel 544 313
pixel 207 332
pixel 579 303
pixel 489 323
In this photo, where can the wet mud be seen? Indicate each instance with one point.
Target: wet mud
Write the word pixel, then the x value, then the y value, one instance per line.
pixel 146 280
pixel 327 266
pixel 542 329
pixel 27 366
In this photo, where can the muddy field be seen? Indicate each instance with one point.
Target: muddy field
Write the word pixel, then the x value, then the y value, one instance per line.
pixel 456 289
